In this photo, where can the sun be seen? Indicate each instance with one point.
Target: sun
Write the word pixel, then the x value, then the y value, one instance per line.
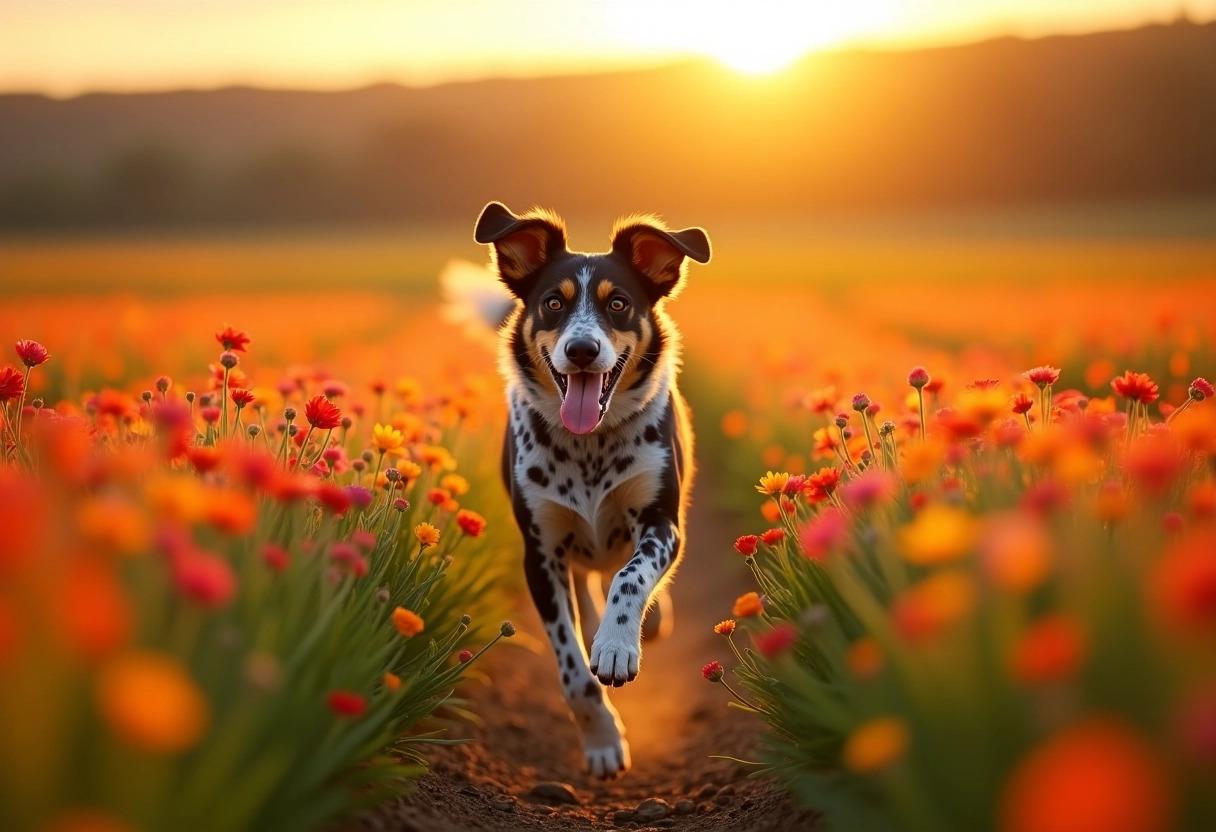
pixel 755 37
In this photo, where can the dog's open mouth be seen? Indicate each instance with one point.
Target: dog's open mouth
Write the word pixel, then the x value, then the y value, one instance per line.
pixel 585 396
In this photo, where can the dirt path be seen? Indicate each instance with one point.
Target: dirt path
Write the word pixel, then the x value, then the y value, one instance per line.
pixel 674 718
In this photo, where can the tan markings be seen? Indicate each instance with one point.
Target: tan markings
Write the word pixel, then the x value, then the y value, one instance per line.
pixel 605 290
pixel 622 341
pixel 567 288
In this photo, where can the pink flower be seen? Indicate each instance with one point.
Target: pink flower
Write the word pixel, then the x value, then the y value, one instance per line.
pixel 1201 389
pixel 32 353
pixel 1042 376
pixel 777 640
pixel 822 534
pixel 918 377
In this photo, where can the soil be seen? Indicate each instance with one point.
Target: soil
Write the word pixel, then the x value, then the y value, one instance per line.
pixel 676 723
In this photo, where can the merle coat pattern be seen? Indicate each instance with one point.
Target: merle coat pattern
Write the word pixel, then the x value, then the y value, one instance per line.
pixel 598 449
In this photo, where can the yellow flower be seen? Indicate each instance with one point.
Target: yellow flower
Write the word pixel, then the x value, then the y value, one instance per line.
pixel 747 605
pixel 392 682
pixel 410 390
pixel 921 461
pixel 772 483
pixel 409 470
pixel 875 745
pixel 408 623
pixel 427 534
pixel 938 534
pixel 456 484
pixel 438 457
pixel 935 603
pixel 387 439
pixel 151 702
pixel 113 524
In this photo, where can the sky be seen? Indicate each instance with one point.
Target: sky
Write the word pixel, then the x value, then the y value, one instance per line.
pixel 67 47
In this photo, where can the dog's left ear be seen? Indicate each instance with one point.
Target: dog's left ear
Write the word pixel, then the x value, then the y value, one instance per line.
pixel 658 253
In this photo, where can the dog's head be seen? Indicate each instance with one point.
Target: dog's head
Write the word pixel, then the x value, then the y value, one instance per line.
pixel 589 328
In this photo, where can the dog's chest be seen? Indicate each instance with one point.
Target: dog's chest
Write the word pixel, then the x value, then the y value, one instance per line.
pixel 594 487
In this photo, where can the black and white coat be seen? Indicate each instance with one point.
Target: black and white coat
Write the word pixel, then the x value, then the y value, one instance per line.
pixel 598 449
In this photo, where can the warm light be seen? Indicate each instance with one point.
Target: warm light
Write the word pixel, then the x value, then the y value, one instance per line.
pixel 751 36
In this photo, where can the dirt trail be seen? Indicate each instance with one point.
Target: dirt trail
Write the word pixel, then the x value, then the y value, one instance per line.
pixel 675 720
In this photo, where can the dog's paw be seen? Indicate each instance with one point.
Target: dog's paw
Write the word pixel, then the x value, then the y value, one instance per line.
pixel 609 760
pixel 615 657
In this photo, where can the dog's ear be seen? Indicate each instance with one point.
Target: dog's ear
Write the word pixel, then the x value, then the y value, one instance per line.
pixel 521 245
pixel 658 253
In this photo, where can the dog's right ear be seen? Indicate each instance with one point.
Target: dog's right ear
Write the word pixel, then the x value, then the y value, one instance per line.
pixel 521 245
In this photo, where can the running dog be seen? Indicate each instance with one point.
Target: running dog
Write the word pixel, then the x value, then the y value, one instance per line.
pixel 598 450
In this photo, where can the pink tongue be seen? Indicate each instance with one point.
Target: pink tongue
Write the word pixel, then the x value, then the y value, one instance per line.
pixel 581 407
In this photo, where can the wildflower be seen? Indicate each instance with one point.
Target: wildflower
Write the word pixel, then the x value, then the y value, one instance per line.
pixel 232 339
pixel 1051 649
pixel 771 537
pixel 228 360
pixel 231 512
pixel 96 614
pixel 275 556
pixel 1113 502
pixel 470 522
pixel 1021 404
pixel 392 682
pixel 507 629
pixel 387 439
pixel 875 745
pixel 938 534
pixel 1097 776
pixel 242 398
pixel 982 384
pixel 437 496
pixel 1200 389
pixel 333 389
pixel 734 424
pixel 347 703
pixel 12 384
pixel 322 414
pixel 918 377
pixel 827 531
pixel 1015 550
pixel 407 622
pixel 427 534
pixel 864 658
pixel 773 484
pixel 1135 386
pixel 1182 586
pixel 151 702
pixel 204 578
pixel 712 672
pixel 401 505
pixel 465 656
pixel 777 640
pixel 933 604
pixel 822 400
pixel 871 488
pixel 454 484
pixel 820 485
pixel 747 605
pixel 1042 376
pixel 725 628
pixel 113 524
pixel 746 545
pixel 860 402
pixel 31 353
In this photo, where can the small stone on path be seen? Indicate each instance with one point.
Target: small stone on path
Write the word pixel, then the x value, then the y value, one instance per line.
pixel 685 807
pixel 652 809
pixel 554 793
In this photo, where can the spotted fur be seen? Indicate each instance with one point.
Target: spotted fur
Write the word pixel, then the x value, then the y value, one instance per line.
pixel 606 505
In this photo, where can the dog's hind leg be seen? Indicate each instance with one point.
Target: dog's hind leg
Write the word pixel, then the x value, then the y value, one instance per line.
pixel 659 618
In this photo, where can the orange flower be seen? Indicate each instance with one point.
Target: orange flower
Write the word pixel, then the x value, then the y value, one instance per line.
pixel 454 484
pixel 938 534
pixel 427 534
pixel 747 605
pixel 773 484
pixel 1098 776
pixel 231 511
pixel 734 424
pixel 1050 650
pixel 1182 586
pixel 232 339
pixel 150 701
pixel 392 682
pixel 933 604
pixel 725 628
pixel 1015 550
pixel 1112 503
pixel 96 614
pixel 875 745
pixel 408 623
pixel 1137 386
pixel 820 485
pixel 864 658
pixel 113 524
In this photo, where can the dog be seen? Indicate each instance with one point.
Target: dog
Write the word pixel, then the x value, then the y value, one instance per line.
pixel 598 451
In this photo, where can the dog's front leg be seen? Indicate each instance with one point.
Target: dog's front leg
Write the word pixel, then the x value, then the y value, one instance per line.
pixel 617 651
pixel 549 580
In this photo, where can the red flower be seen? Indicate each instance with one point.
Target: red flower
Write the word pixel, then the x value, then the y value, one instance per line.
pixel 773 536
pixel 322 413
pixel 1201 389
pixel 712 672
pixel 12 384
pixel 232 339
pixel 918 377
pixel 821 484
pixel 984 384
pixel 1136 386
pixel 1021 403
pixel 470 522
pixel 204 578
pixel 777 640
pixel 746 545
pixel 243 397
pixel 1043 376
pixel 822 534
pixel 275 556
pixel 465 656
pixel 32 353
pixel 347 703
pixel 438 496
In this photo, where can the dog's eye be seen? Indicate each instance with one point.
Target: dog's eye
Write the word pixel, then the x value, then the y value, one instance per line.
pixel 618 304
pixel 554 304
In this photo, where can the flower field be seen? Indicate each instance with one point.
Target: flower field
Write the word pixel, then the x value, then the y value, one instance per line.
pixel 223 600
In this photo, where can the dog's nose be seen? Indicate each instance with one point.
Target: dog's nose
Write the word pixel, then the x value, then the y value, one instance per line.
pixel 582 351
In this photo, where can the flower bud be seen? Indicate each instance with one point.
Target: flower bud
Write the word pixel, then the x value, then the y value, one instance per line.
pixel 228 359
pixel 507 629
pixel 918 377
pixel 860 402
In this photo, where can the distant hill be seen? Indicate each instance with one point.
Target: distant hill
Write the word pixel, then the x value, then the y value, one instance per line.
pixel 1117 115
